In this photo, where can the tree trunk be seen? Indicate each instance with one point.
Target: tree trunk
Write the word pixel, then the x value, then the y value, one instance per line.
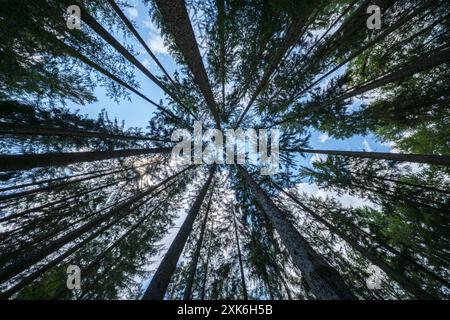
pixel 323 280
pixel 206 263
pixel 194 261
pixel 394 274
pixel 20 129
pixel 241 266
pixel 161 279
pixel 221 31
pixel 30 161
pixel 399 157
pixel 176 19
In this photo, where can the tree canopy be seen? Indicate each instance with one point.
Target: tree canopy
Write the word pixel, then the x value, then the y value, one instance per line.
pixel 90 192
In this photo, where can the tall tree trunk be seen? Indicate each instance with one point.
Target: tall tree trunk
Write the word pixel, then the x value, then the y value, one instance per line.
pixel 221 31
pixel 161 279
pixel 51 204
pixel 206 264
pixel 420 64
pixel 21 129
pixel 133 30
pixel 54 187
pixel 406 283
pixel 399 157
pixel 194 261
pixel 323 280
pixel 241 266
pixel 176 19
pixel 38 254
pixel 30 161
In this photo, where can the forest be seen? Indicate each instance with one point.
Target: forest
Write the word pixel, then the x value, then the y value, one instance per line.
pixel 84 188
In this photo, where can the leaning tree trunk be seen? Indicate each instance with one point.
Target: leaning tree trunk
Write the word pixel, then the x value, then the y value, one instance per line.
pixel 161 279
pixel 176 19
pixel 241 267
pixel 323 280
pixel 420 64
pixel 194 261
pixel 30 161
pixel 401 279
pixel 136 34
pixel 399 157
pixel 23 129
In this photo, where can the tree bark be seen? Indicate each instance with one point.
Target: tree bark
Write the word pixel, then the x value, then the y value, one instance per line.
pixel 30 161
pixel 399 157
pixel 194 261
pixel 161 279
pixel 323 280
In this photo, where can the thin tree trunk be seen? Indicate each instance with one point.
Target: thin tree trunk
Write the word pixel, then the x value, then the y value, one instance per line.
pixel 176 19
pixel 406 283
pixel 194 261
pixel 323 280
pixel 50 204
pixel 133 30
pixel 423 63
pixel 206 263
pixel 74 53
pixel 399 157
pixel 161 279
pixel 22 129
pixel 241 266
pixel 38 254
pixel 30 161
pixel 35 183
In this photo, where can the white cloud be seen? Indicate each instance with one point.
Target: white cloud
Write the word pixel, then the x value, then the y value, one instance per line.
pixel 156 44
pixel 324 137
pixel 367 146
pixel 133 13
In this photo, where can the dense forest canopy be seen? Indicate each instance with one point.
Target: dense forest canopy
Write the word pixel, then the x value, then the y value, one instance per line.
pixel 110 199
